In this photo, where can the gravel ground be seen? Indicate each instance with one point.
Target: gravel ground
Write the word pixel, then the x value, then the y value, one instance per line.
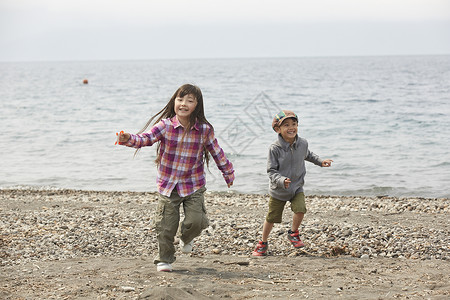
pixel 66 244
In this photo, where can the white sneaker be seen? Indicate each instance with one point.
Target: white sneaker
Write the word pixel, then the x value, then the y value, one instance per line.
pixel 163 267
pixel 186 248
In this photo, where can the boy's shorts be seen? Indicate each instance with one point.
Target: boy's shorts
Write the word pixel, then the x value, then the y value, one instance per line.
pixel 276 207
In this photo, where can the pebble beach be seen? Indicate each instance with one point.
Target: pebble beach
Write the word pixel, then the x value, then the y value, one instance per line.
pixel 71 244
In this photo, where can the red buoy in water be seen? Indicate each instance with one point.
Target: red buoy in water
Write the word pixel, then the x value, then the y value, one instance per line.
pixel 85 81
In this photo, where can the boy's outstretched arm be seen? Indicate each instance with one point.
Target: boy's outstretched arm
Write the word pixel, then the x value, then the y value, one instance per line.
pixel 327 162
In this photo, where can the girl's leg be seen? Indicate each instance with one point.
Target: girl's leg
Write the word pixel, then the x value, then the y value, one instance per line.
pixel 195 219
pixel 166 225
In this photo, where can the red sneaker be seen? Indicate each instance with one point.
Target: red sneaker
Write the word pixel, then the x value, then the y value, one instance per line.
pixel 295 239
pixel 261 249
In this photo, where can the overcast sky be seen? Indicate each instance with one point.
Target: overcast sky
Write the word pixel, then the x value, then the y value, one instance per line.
pixel 33 30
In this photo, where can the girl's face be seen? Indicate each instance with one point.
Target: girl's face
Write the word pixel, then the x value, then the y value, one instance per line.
pixel 288 130
pixel 184 107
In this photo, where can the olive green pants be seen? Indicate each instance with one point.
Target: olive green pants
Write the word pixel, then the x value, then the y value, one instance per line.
pixel 276 207
pixel 167 219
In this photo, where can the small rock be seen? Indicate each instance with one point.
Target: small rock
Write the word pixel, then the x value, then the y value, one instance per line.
pixel 127 289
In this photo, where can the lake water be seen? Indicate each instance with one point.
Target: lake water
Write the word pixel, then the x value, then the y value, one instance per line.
pixel 383 120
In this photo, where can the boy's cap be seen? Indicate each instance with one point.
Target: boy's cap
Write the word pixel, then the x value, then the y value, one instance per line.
pixel 281 116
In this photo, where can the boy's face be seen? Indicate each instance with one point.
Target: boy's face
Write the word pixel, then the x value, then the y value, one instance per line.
pixel 288 130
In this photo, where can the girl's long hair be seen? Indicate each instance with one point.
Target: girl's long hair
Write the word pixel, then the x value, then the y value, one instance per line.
pixel 169 111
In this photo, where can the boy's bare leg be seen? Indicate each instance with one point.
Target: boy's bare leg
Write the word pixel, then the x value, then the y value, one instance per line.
pixel 267 228
pixel 296 221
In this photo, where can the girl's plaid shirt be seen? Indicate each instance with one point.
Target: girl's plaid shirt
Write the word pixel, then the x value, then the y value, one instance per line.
pixel 181 163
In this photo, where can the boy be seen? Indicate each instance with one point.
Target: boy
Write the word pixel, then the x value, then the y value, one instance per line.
pixel 286 169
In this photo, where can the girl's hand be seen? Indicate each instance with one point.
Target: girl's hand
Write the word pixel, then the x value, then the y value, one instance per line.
pixel 326 163
pixel 287 181
pixel 122 137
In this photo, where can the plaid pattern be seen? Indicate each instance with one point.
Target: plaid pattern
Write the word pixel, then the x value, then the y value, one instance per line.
pixel 181 162
pixel 282 114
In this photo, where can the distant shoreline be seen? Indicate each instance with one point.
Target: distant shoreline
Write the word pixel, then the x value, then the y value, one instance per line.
pixel 60 191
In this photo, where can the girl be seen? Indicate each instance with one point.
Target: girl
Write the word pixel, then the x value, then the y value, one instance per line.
pixel 184 140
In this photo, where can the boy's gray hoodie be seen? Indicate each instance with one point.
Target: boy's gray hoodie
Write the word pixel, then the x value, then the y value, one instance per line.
pixel 288 161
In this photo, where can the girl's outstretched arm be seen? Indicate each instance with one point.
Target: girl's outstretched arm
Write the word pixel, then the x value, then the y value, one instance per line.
pixel 122 137
pixel 144 139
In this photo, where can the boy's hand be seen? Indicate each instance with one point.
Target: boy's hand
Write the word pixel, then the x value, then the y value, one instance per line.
pixel 326 163
pixel 287 181
pixel 122 137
